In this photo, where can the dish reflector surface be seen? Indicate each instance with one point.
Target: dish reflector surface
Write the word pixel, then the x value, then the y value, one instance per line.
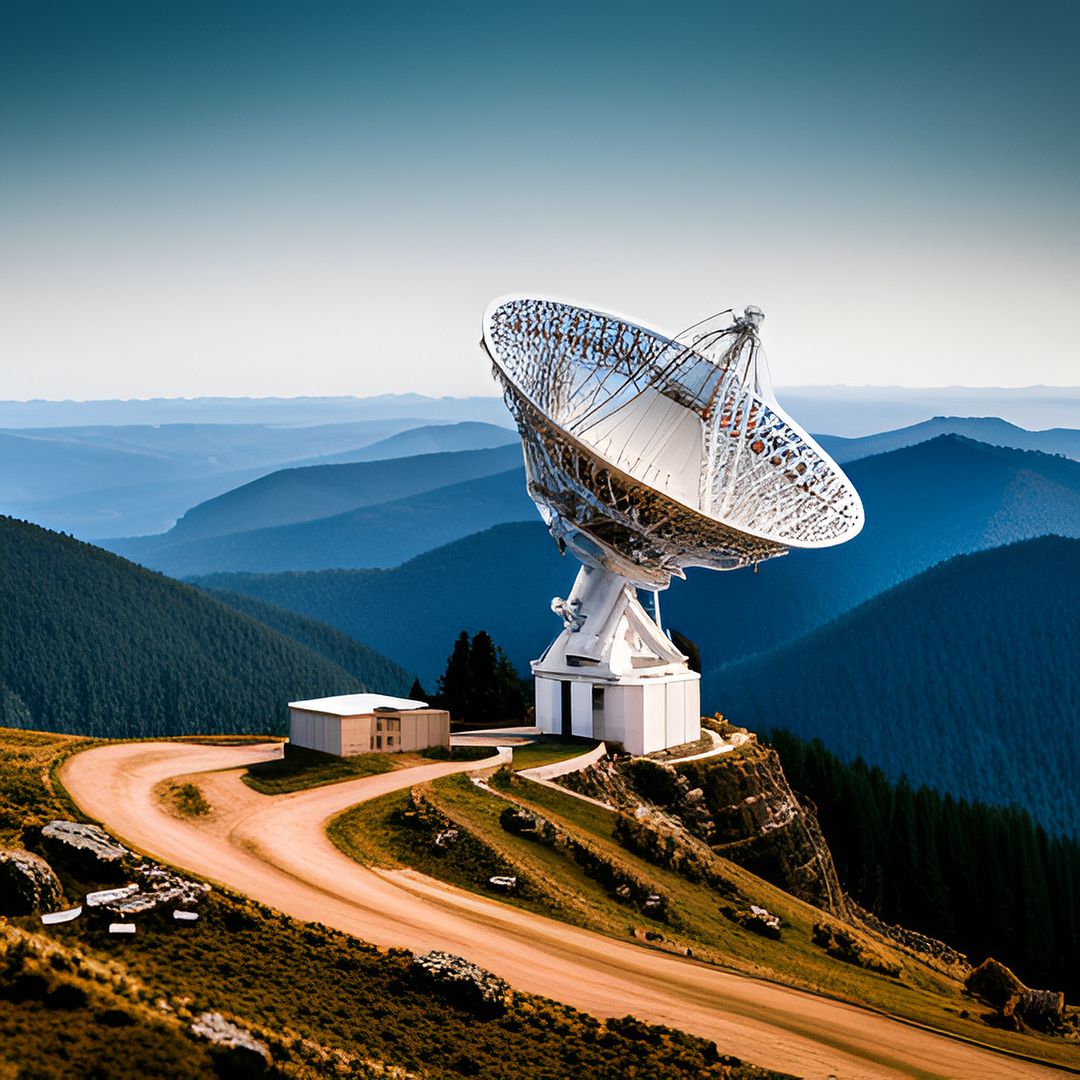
pixel 647 454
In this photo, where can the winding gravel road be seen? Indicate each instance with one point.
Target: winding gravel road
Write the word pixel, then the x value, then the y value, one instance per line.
pixel 275 850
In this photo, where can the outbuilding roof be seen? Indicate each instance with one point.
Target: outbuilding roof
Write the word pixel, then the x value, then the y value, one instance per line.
pixel 356 704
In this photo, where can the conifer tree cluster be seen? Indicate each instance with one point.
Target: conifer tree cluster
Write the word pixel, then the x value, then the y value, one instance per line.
pixel 985 879
pixel 480 685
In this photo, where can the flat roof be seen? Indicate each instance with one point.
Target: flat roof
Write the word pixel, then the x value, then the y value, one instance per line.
pixel 356 704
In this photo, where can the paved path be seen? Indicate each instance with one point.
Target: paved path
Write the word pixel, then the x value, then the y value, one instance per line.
pixel 274 848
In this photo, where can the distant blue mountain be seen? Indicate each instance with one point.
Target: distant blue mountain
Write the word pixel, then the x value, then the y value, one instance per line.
pixel 429 439
pixel 292 495
pixel 987 429
pixel 965 678
pixel 385 534
pixel 100 481
pixel 924 503
pixel 307 411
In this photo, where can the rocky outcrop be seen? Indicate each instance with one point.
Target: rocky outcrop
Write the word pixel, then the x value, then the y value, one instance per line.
pixel 740 804
pixel 87 848
pixel 462 982
pixel 237 1053
pixel 851 947
pixel 748 813
pixel 1017 1006
pixel 940 955
pixel 27 884
pixel 157 887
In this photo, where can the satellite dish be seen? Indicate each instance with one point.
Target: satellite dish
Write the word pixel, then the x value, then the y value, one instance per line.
pixel 646 454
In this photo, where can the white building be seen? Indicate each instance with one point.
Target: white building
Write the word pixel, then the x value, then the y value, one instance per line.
pixel 366 723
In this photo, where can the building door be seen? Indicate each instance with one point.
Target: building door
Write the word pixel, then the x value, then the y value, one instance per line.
pixel 567 725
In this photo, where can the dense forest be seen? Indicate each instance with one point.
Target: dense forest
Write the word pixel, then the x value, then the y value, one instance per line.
pixel 373 669
pixel 92 644
pixel 480 686
pixel 986 879
pixel 964 678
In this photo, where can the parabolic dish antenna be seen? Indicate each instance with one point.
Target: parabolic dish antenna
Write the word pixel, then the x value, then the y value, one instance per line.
pixel 646 454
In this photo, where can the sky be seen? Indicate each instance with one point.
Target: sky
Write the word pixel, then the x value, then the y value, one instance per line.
pixel 283 198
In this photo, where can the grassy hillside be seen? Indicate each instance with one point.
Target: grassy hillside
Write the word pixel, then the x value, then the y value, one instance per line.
pixel 92 644
pixel 964 678
pixel 987 429
pixel 76 1001
pixel 304 494
pixel 385 534
pixel 576 867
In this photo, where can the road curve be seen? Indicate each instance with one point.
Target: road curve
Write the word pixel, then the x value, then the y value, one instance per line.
pixel 275 850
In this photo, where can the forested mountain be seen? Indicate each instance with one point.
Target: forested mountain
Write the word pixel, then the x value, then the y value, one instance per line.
pixel 501 580
pixel 385 534
pixel 304 494
pixel 92 644
pixel 924 504
pixel 987 429
pixel 373 669
pixel 964 678
pixel 986 879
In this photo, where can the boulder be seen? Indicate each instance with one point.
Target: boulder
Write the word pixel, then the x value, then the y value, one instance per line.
pixel 461 982
pixel 27 884
pixel 994 983
pixel 237 1053
pixel 1016 1004
pixel 88 848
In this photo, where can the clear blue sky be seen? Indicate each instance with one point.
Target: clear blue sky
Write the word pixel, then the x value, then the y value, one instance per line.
pixel 271 198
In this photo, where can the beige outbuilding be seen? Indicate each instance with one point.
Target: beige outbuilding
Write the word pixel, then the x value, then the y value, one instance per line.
pixel 365 723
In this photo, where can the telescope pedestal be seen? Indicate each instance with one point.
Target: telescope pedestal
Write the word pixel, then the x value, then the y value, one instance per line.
pixel 613 674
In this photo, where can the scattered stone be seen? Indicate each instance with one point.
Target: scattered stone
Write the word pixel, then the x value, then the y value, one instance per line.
pixel 27 883
pixel 446 838
pixel 462 982
pixel 758 919
pixel 121 928
pixel 516 820
pixel 87 847
pixel 503 882
pixel 109 896
pixel 52 918
pixel 238 1052
pixel 851 947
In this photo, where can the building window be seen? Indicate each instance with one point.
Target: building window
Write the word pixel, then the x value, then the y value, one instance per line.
pixel 597 699
pixel 378 725
pixel 378 742
pixel 394 724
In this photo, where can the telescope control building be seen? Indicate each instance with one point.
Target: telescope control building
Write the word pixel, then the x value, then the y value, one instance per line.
pixel 367 723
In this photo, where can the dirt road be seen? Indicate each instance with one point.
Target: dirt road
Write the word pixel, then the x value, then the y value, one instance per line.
pixel 275 850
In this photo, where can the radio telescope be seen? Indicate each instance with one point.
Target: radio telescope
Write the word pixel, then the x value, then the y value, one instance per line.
pixel 646 454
